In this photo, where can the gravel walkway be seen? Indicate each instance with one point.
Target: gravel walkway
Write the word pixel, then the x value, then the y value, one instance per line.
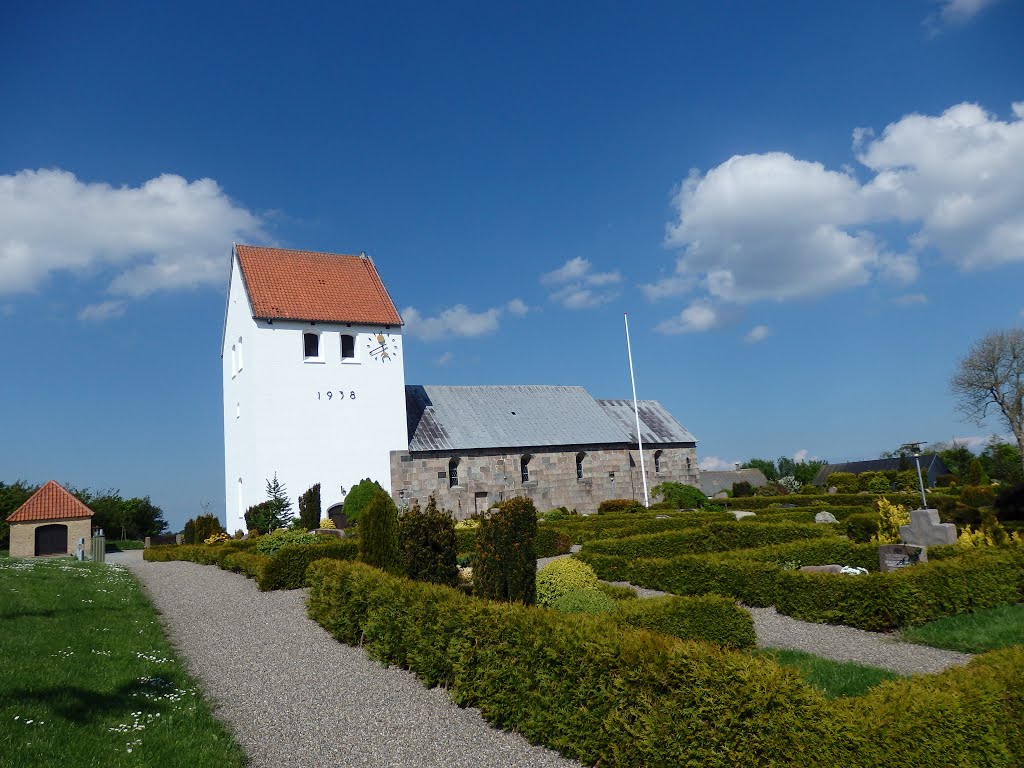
pixel 836 642
pixel 293 695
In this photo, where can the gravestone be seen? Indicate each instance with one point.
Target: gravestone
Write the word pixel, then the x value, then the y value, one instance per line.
pixel 822 569
pixel 925 530
pixel 740 514
pixel 893 556
pixel 825 517
pixel 832 490
pixel 721 495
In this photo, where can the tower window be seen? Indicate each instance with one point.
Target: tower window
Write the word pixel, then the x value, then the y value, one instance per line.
pixel 311 346
pixel 348 346
pixel 579 465
pixel 240 363
pixel 453 473
pixel 524 464
pixel 657 462
pixel 687 463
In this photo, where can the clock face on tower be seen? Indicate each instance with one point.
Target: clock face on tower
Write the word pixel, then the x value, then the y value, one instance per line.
pixel 383 347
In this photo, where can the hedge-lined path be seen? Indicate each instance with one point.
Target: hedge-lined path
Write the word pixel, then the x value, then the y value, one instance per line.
pixel 295 696
pixel 836 642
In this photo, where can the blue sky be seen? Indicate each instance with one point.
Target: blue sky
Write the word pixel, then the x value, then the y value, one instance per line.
pixel 810 210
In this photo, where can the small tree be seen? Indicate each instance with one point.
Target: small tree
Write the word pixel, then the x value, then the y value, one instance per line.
pixel 976 474
pixel 358 499
pixel 680 495
pixel 277 495
pixel 260 517
pixel 505 567
pixel 742 488
pixel 378 534
pixel 309 508
pixel 426 540
pixel 199 529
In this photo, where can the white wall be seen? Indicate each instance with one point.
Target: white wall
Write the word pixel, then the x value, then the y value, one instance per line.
pixel 278 416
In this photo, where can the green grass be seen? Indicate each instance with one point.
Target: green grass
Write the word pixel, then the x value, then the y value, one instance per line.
pixel 87 677
pixel 835 678
pixel 985 630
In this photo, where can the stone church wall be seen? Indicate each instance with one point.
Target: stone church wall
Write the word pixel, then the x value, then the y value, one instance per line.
pixel 486 477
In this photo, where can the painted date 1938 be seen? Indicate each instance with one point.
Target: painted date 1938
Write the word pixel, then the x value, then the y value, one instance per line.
pixel 336 395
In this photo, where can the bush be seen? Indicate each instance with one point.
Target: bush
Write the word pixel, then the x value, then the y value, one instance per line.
pixel 426 541
pixel 505 567
pixel 609 506
pixel 680 495
pixel 771 489
pixel 890 518
pixel 862 527
pixel 287 569
pixel 591 601
pixel 844 482
pixel 978 496
pixel 260 518
pixel 946 481
pixel 309 508
pixel 1009 503
pixel 550 542
pixel 378 533
pixel 617 591
pixel 282 537
pixel 559 577
pixel 742 489
pixel 976 474
pixel 358 498
pixel 711 618
pixel 200 528
pixel 557 513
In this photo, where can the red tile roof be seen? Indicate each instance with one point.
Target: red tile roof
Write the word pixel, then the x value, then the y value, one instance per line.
pixel 51 502
pixel 323 287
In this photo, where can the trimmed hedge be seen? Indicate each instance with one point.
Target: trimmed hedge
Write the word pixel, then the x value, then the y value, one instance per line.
pixel 550 540
pixel 619 697
pixel 709 617
pixel 287 569
pixel 585 528
pixel 715 537
pixel 620 505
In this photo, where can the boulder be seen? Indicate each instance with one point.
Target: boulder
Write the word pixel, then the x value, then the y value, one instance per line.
pixel 739 514
pixel 825 517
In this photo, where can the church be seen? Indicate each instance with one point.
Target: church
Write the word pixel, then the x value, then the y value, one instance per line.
pixel 314 388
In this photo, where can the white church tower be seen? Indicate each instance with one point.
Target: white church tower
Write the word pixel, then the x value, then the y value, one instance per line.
pixel 314 383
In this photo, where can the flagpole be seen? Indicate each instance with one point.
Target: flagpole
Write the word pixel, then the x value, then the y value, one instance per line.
pixel 636 413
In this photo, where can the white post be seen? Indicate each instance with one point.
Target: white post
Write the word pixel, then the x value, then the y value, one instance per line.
pixel 920 480
pixel 636 413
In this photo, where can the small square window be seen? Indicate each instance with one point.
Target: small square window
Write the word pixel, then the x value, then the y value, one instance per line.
pixel 348 347
pixel 311 346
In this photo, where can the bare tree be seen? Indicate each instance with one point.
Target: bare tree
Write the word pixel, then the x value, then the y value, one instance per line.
pixel 992 374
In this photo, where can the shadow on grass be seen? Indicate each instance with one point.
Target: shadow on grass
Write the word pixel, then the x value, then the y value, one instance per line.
pixel 83 706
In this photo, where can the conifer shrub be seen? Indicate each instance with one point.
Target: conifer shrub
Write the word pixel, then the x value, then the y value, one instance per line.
pixel 260 518
pixel 309 508
pixel 426 540
pixel 709 617
pixel 609 506
pixel 592 601
pixel 200 528
pixel 976 474
pixel 862 527
pixel 505 567
pixel 287 568
pixel 550 542
pixel 358 498
pixel 742 489
pixel 378 533
pixel 680 495
pixel 559 577
pixel 282 537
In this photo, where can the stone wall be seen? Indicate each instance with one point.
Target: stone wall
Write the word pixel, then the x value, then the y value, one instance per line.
pixel 23 535
pixel 486 477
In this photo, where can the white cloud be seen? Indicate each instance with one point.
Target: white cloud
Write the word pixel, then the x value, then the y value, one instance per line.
pixel 444 359
pixel 757 333
pixel 581 288
pixel 715 464
pixel 800 455
pixel 771 227
pixel 166 234
pixel 517 307
pixel 962 11
pixel 699 316
pixel 102 311
pixel 454 321
pixel 910 299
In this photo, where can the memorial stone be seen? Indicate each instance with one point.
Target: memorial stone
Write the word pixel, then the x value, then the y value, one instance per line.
pixel 894 556
pixel 925 530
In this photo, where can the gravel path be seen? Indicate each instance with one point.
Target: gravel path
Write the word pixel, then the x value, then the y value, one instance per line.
pixel 293 695
pixel 836 642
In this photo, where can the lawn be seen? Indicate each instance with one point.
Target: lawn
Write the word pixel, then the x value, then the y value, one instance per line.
pixel 88 679
pixel 985 630
pixel 835 678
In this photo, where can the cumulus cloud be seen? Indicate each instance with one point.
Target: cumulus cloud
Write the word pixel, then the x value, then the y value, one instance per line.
pixel 166 234
pixel 102 311
pixel 955 13
pixel 699 316
pixel 454 321
pixel 517 307
pixel 715 464
pixel 800 455
pixel 577 286
pixel 772 227
pixel 756 334
pixel 443 359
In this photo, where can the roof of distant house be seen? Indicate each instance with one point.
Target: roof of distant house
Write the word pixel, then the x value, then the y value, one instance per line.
pixel 928 460
pixel 51 502
pixel 320 287
pixel 443 418
pixel 716 481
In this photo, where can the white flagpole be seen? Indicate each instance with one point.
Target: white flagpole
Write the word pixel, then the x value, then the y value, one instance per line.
pixel 636 412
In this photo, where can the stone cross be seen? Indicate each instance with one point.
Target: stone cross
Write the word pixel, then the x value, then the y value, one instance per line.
pixel 925 530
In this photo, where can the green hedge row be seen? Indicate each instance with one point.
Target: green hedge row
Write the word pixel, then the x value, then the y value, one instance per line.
pixel 714 537
pixel 708 617
pixel 622 697
pixel 877 601
pixel 823 551
pixel 584 528
pixel 548 542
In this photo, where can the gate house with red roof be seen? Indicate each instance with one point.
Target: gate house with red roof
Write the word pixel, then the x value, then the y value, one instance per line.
pixel 49 523
pixel 314 382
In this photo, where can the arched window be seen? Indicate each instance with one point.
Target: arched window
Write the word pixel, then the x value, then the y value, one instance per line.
pixel 579 465
pixel 524 466
pixel 657 462
pixel 348 346
pixel 311 345
pixel 453 473
pixel 687 463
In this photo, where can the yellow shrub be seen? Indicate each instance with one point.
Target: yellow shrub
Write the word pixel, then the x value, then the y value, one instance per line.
pixel 890 518
pixel 217 538
pixel 327 523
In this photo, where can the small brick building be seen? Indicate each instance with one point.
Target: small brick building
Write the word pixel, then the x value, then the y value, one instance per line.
pixel 49 523
pixel 472 447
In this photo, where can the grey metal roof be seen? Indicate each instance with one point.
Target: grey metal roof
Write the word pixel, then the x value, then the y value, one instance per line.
pixel 657 425
pixel 712 482
pixel 442 418
pixel 929 461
